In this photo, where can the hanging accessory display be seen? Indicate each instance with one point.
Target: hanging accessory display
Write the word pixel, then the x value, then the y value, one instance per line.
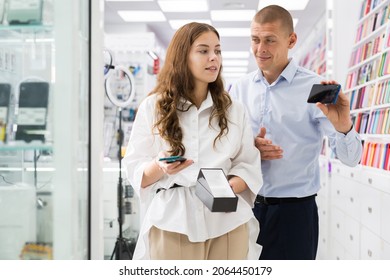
pixel 124 86
pixel 2 4
pixel 107 61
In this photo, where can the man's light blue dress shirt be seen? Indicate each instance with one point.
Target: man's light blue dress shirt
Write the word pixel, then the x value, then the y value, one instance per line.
pixel 296 126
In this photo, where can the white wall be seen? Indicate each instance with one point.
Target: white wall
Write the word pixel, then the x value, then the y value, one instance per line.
pixel 345 18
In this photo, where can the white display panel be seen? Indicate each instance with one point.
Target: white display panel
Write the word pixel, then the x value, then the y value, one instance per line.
pixel 3 114
pixel 18 226
pixel 31 116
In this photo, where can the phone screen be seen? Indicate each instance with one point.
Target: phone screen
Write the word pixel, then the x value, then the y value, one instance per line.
pixel 326 94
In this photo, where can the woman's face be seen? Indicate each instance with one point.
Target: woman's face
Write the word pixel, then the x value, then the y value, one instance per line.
pixel 205 58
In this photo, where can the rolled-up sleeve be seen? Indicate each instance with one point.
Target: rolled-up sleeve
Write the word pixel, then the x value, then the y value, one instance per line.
pixel 348 147
pixel 141 148
pixel 247 164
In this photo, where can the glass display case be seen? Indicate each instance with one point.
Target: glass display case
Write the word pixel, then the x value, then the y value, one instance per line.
pixel 45 129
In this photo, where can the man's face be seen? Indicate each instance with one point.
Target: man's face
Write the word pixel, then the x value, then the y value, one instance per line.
pixel 270 44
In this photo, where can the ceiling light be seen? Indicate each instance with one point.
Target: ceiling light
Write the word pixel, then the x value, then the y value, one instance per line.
pixel 235 62
pixel 232 15
pixel 235 69
pixel 232 75
pixel 176 6
pixel 235 54
pixel 234 32
pixel 142 16
pixel 177 23
pixel 287 4
pixel 129 0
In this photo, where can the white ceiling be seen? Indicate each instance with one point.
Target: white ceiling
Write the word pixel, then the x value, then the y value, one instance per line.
pixel 307 19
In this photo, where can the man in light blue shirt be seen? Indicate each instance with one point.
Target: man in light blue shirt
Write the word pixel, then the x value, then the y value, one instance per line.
pixel 289 133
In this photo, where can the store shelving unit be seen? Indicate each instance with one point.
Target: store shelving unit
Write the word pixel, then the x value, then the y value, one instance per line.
pixel 315 58
pixel 318 56
pixel 353 202
pixel 368 80
pixel 359 198
pixel 26 167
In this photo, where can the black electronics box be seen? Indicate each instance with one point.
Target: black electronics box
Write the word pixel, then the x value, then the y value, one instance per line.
pixel 32 111
pixel 213 189
pixel 5 97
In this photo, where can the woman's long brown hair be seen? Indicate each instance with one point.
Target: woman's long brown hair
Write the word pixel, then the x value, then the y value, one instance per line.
pixel 175 81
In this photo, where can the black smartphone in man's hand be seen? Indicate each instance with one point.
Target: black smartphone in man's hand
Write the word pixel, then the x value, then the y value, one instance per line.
pixel 326 94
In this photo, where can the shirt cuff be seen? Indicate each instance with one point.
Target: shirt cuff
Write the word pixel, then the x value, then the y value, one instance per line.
pixel 349 137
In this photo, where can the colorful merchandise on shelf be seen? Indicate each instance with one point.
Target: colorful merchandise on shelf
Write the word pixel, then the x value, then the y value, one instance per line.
pixel 368 82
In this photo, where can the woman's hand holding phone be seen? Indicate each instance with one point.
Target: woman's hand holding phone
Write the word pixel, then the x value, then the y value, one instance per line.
pixel 172 164
pixel 172 159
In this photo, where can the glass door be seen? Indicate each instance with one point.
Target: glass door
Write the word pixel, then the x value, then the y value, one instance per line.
pixel 44 129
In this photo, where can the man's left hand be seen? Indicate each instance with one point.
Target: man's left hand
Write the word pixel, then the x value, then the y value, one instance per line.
pixel 339 113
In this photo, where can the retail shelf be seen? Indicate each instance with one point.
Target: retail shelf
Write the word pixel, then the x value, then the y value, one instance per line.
pixel 18 146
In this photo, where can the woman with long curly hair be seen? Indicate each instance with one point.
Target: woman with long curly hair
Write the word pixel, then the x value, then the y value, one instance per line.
pixel 190 114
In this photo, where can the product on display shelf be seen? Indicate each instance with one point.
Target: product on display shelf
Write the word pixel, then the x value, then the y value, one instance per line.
pixel 2 2
pixel 5 97
pixel 368 83
pixel 37 251
pixel 32 111
pixel 24 11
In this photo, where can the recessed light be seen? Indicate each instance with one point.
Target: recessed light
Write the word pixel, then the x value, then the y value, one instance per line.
pixel 235 54
pixel 177 23
pixel 287 4
pixel 142 16
pixel 232 15
pixel 176 6
pixel 234 62
pixel 233 75
pixel 234 32
pixel 129 0
pixel 234 69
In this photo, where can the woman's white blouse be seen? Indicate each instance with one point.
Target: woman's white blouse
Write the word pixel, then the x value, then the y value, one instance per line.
pixel 179 209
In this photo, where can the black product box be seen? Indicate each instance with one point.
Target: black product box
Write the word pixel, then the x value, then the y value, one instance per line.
pixel 32 111
pixel 5 97
pixel 213 189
